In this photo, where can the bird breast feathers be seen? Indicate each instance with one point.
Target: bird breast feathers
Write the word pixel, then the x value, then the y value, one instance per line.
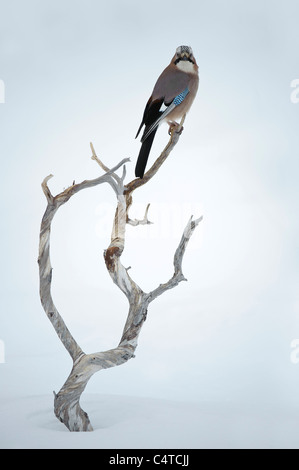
pixel 171 82
pixel 186 66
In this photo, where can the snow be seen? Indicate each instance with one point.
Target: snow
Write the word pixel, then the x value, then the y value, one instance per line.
pixel 124 422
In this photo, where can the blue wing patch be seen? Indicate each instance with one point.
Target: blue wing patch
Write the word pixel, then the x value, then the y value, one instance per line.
pixel 177 100
pixel 180 98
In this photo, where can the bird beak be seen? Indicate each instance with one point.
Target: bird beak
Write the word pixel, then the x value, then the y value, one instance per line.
pixel 185 56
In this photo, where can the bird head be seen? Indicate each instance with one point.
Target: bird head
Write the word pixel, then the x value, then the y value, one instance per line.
pixel 184 53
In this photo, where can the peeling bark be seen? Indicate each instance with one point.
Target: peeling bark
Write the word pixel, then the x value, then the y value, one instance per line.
pixel 66 402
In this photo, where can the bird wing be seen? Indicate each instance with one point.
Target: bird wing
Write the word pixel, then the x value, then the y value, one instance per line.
pixel 170 90
pixel 171 83
pixel 175 102
pixel 151 113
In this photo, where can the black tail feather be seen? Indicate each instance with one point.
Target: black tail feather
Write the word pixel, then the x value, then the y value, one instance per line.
pixel 144 153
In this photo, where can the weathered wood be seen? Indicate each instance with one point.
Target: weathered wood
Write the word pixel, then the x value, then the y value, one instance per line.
pixel 66 402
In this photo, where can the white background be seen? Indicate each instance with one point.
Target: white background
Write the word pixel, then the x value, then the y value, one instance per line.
pixel 81 71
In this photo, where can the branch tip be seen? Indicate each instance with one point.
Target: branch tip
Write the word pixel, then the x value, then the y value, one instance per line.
pixel 196 221
pixel 46 189
pixel 47 178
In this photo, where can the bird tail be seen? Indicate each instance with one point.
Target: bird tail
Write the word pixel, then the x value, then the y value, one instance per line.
pixel 144 153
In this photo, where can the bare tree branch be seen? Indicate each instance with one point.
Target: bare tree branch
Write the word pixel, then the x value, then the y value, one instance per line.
pixel 66 402
pixel 143 221
pixel 174 138
pixel 106 169
pixel 175 133
pixel 177 262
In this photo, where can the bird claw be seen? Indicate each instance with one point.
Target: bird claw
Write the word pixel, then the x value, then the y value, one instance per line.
pixel 175 127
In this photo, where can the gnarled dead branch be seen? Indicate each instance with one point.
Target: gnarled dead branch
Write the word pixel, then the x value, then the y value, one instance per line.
pixel 66 403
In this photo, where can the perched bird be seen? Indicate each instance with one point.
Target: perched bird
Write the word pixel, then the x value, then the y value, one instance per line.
pixel 171 98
